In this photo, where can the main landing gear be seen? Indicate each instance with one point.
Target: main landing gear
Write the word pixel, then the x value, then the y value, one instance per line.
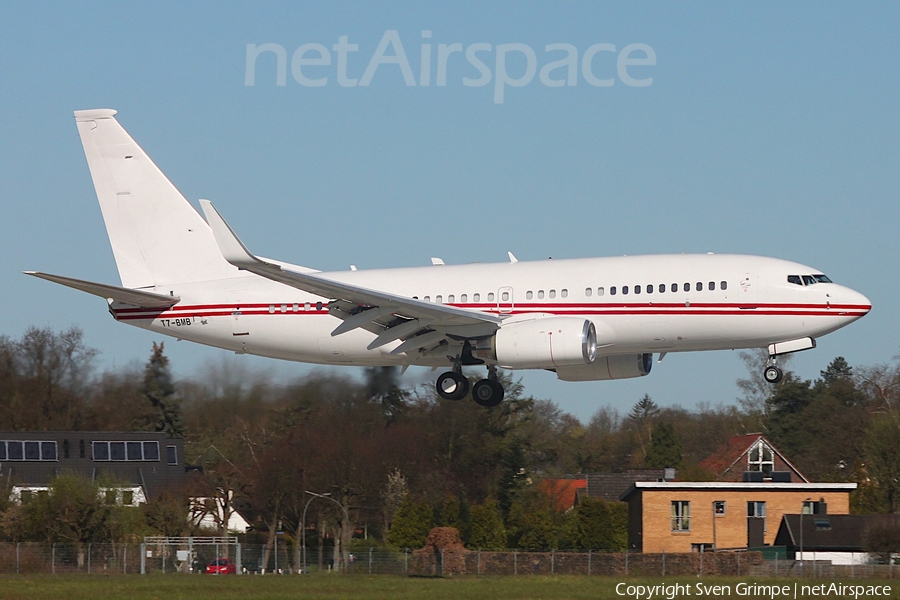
pixel 772 373
pixel 452 385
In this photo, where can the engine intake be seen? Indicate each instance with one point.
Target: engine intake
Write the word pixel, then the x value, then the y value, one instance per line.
pixel 544 343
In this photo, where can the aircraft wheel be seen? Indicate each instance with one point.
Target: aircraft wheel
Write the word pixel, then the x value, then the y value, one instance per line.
pixel 487 393
pixel 452 386
pixel 773 374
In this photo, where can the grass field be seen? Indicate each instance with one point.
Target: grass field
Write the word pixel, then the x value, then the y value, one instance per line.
pixel 136 587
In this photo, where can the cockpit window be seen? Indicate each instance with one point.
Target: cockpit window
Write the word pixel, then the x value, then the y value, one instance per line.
pixel 809 280
pixel 795 279
pixel 822 278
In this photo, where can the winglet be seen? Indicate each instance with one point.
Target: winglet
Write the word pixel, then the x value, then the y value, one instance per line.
pixel 512 257
pixel 231 247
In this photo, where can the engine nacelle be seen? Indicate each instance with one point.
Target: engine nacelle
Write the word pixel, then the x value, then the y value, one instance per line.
pixel 617 366
pixel 542 343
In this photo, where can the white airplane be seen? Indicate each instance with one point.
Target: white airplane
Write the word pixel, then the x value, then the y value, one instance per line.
pixel 586 319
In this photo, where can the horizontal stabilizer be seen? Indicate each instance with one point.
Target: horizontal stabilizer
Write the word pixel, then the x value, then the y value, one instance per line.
pixel 120 294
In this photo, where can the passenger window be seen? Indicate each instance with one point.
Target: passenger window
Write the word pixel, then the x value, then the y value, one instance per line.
pixel 284 308
pixel 318 306
pixel 490 296
pixel 306 306
pixel 723 285
pixel 649 288
pixel 712 286
pixel 600 291
pixel 809 280
pixel 439 299
pixel 624 290
pixel 271 308
pixel 451 298
pixel 588 292
pixel 464 298
pixel 662 288
pixel 540 294
pixel 529 295
pixel 476 297
pixel 674 287
pixel 505 296
pixel 553 293
pixel 795 279
pixel 427 298
pixel 699 286
pixel 637 289
pixel 296 307
pixel 612 291
pixel 687 287
pixel 564 293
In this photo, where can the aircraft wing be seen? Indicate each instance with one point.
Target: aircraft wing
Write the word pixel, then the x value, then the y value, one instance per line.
pixel 392 317
pixel 128 296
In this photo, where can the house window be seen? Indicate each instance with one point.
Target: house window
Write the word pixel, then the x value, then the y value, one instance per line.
pixel 681 515
pixel 719 508
pixel 815 508
pixel 117 451
pixel 122 451
pixel 756 509
pixel 172 455
pixel 128 497
pixel 151 451
pixel 28 450
pixel 110 497
pixel 761 458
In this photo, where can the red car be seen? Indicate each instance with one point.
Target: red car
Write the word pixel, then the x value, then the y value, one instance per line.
pixel 223 566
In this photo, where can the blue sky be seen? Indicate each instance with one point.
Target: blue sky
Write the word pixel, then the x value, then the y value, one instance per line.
pixel 769 128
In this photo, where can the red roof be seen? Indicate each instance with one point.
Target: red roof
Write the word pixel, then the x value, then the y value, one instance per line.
pixel 734 448
pixel 563 491
pixel 737 446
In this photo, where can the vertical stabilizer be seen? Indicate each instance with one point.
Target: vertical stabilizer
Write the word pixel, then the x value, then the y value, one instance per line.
pixel 156 235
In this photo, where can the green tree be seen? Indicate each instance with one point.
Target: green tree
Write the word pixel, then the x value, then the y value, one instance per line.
pixel 882 454
pixel 601 525
pixel 665 449
pixel 71 512
pixel 487 530
pixel 411 524
pixel 158 388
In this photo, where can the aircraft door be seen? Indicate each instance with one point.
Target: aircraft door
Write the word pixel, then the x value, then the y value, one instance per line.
pixel 505 303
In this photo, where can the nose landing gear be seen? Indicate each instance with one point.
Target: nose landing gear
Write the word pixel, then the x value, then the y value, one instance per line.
pixel 772 373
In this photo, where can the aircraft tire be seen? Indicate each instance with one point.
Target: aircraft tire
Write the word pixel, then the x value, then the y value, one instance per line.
pixel 773 374
pixel 452 386
pixel 487 393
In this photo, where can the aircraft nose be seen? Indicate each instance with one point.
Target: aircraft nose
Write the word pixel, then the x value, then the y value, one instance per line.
pixel 855 302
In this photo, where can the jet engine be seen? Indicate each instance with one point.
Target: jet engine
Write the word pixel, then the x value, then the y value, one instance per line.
pixel 617 366
pixel 543 343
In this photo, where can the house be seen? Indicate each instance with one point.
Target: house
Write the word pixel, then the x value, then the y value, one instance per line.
pixel 673 516
pixel 567 491
pixel 841 539
pixel 750 457
pixel 144 464
pixel 563 491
